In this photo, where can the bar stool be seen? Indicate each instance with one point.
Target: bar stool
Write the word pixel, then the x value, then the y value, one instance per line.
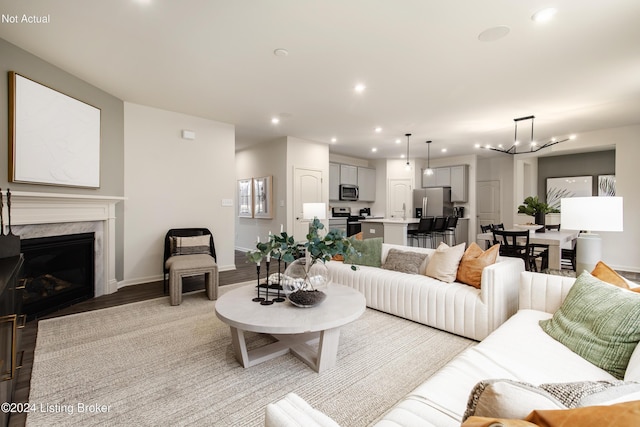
pixel 424 230
pixel 439 225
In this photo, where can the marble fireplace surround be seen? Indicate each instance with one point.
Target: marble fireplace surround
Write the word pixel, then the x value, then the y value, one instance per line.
pixel 50 214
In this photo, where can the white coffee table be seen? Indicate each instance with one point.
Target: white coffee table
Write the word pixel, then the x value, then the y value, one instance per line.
pixel 296 329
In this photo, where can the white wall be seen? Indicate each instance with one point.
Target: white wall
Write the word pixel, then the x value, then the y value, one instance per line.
pixel 620 250
pixel 263 160
pixel 171 182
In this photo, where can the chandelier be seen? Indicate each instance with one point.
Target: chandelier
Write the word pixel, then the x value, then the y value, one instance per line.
pixel 533 145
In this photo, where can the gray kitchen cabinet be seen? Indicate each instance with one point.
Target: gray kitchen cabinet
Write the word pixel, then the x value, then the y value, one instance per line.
pixel 348 174
pixel 459 180
pixel 441 178
pixel 367 184
pixel 334 181
pixel 456 177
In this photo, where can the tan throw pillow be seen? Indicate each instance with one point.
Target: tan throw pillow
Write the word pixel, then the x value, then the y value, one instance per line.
pixel 624 414
pixel 607 274
pixel 443 264
pixel 473 261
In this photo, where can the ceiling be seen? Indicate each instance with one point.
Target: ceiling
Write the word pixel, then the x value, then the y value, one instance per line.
pixel 426 71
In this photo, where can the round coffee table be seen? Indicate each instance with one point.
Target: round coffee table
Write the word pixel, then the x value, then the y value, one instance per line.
pixel 296 329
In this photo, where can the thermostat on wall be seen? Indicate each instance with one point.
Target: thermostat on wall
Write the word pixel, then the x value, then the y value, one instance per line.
pixel 188 134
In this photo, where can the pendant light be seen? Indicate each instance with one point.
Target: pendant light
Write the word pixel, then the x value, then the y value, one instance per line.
pixel 533 146
pixel 428 170
pixel 407 166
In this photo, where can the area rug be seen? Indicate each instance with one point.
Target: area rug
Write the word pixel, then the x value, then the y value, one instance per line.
pixel 149 364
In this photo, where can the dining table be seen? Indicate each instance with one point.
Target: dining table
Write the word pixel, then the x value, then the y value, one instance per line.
pixel 555 239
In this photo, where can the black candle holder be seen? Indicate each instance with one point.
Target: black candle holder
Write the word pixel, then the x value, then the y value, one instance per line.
pixel 279 298
pixel 258 298
pixel 266 301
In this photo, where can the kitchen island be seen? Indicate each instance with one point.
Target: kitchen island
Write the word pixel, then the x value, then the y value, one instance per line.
pixel 392 230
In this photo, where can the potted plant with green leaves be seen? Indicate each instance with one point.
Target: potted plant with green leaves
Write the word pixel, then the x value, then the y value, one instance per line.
pixel 534 207
pixel 305 274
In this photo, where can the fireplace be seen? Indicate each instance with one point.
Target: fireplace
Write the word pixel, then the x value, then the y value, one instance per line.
pixel 58 271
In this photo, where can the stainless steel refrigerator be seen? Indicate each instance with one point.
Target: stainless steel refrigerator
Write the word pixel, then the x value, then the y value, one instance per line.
pixel 433 201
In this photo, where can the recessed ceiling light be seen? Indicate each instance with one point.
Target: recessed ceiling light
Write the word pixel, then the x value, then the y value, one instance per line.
pixel 359 88
pixel 275 120
pixel 444 150
pixel 402 156
pixel 493 34
pixel 281 52
pixel 378 129
pixel 374 149
pixel 572 137
pixel 334 140
pixel 398 141
pixel 477 145
pixel 544 15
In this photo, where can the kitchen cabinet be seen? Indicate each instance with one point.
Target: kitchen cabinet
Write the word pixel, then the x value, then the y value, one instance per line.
pixel 348 174
pixel 334 181
pixel 367 184
pixel 459 186
pixel 456 177
pixel 364 178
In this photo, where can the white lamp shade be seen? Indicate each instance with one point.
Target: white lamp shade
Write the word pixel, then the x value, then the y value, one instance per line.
pixel 591 213
pixel 314 210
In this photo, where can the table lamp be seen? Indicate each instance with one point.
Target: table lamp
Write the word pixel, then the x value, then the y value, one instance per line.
pixel 589 214
pixel 314 210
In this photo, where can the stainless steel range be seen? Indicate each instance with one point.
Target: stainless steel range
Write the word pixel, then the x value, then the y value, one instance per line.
pixel 339 218
pixel 352 224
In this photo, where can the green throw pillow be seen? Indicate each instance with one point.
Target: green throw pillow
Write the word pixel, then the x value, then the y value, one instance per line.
pixel 599 322
pixel 370 252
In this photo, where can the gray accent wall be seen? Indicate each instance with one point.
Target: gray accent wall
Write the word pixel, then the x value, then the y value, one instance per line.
pixel 583 164
pixel 111 108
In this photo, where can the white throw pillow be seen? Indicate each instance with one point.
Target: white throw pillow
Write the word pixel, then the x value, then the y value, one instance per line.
pixel 443 264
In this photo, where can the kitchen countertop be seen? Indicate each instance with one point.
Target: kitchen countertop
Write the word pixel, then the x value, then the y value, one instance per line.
pixel 393 220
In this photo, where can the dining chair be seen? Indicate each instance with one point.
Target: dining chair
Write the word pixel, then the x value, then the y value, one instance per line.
pixel 486 229
pixel 514 244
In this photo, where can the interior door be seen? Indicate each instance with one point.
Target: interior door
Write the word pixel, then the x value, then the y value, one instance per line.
pixel 488 203
pixel 400 197
pixel 307 188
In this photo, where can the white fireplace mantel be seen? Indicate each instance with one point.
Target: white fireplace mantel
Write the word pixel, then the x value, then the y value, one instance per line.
pixel 31 208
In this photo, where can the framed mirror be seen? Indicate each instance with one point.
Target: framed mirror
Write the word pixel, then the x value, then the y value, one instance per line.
pixel 245 199
pixel 262 197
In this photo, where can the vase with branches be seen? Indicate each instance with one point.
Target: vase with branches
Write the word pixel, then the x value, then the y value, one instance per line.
pixel 307 270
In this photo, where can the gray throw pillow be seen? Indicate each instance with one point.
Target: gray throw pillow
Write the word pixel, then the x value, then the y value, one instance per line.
pixel 404 261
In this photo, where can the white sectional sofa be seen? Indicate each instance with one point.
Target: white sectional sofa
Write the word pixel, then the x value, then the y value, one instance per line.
pixel 453 307
pixel 518 350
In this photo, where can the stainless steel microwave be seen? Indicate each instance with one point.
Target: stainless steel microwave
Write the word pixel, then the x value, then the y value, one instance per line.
pixel 349 192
